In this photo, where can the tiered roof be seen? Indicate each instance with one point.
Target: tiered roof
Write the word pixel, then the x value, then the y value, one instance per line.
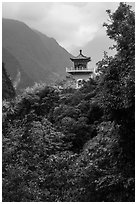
pixel 81 57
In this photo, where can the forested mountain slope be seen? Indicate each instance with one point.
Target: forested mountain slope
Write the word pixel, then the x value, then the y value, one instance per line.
pixel 39 57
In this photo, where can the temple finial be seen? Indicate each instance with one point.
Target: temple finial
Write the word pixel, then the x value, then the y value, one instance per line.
pixel 80 52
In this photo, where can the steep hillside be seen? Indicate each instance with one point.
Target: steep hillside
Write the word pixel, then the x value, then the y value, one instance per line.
pixel 59 57
pixel 39 57
pixel 18 77
pixel 7 87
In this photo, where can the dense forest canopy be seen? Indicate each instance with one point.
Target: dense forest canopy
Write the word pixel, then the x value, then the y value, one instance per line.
pixel 76 145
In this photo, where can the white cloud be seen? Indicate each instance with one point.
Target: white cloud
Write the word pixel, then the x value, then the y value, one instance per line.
pixel 71 24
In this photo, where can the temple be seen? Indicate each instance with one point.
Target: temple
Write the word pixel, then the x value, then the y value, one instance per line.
pixel 80 70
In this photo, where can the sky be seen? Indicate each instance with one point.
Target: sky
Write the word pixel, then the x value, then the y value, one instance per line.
pixel 73 24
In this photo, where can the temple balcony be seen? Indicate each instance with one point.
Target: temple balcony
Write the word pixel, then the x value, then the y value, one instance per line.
pixel 78 70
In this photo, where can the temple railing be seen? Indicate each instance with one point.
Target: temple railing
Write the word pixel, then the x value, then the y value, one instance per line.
pixel 72 69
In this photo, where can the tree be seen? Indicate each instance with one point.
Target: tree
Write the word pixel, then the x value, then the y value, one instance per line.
pixel 117 81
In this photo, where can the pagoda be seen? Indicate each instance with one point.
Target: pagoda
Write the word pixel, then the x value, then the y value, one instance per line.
pixel 80 70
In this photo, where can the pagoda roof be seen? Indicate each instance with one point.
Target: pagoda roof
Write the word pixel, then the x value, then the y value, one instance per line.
pixel 81 57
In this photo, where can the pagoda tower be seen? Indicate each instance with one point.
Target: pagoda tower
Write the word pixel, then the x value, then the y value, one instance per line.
pixel 80 70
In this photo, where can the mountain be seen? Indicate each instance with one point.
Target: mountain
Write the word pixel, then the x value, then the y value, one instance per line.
pixel 14 68
pixel 31 56
pixel 7 87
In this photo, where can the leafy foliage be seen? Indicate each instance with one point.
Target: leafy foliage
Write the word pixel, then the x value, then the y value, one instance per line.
pixel 117 86
pixel 117 81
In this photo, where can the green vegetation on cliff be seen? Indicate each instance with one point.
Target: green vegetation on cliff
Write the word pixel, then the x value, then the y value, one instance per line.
pixel 8 90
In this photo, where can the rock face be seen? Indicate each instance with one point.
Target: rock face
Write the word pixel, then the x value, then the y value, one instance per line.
pixel 37 57
pixel 13 67
pixel 8 90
